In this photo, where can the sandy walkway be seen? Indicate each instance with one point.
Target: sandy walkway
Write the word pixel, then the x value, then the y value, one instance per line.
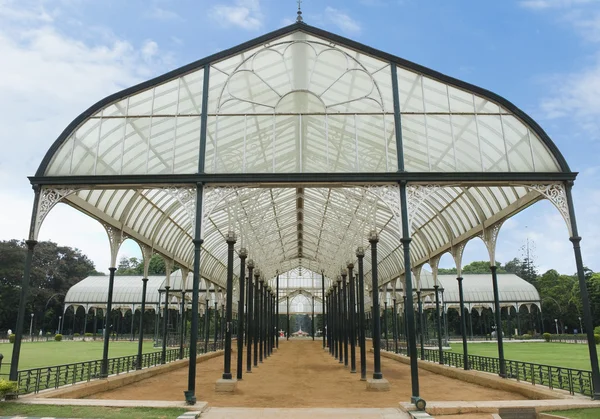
pixel 302 374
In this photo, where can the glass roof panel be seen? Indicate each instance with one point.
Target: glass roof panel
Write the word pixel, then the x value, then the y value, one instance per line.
pixel 300 95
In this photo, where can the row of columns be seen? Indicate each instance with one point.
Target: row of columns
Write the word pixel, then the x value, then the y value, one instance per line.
pixel 257 325
pixel 344 315
pixel 336 317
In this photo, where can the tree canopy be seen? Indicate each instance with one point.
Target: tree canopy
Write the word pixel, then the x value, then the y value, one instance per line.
pixel 54 270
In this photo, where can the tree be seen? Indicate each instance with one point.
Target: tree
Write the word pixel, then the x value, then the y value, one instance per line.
pixel 130 266
pixel 135 266
pixel 477 267
pixel 54 270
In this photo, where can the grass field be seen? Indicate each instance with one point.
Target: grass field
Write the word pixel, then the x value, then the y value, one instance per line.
pixel 560 354
pixel 42 354
pixel 10 409
pixel 578 413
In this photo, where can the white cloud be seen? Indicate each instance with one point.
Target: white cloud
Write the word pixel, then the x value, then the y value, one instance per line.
pixel 245 14
pixel 575 95
pixel 554 4
pixel 149 50
pixel 48 78
pixel 159 13
pixel 342 21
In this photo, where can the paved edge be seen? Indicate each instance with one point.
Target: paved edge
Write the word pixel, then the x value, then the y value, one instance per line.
pixel 461 407
pixel 199 406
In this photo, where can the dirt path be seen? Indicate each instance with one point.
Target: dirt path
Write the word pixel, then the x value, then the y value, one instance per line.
pixel 302 374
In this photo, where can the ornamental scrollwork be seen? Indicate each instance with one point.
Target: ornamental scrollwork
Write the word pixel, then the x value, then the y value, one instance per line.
pixel 390 195
pixel 555 193
pixel 212 196
pixel 416 195
pixel 489 235
pixel 115 238
pixel 187 199
pixel 48 200
pixel 457 253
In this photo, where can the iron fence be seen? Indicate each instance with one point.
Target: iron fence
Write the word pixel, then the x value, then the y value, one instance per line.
pixel 553 377
pixel 35 380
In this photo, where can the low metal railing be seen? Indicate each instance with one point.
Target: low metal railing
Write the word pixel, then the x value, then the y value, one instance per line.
pixel 553 377
pixel 35 380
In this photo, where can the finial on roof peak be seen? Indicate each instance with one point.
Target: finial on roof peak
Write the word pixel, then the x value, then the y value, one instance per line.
pixel 299 18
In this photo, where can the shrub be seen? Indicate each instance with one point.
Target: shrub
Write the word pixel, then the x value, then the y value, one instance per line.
pixel 58 337
pixel 48 333
pixel 526 336
pixel 597 330
pixel 76 335
pixel 597 339
pixel 88 335
pixel 547 337
pixel 7 387
pixel 11 338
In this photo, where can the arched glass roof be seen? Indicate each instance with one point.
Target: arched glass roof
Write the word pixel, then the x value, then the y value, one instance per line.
pixel 92 292
pixel 298 140
pixel 301 103
pixel 513 291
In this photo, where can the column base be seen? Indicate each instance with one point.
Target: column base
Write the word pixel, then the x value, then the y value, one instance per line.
pixel 380 384
pixel 225 386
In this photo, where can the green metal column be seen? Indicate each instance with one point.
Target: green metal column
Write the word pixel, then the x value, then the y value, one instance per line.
pixel 463 324
pixel 141 337
pixel 231 240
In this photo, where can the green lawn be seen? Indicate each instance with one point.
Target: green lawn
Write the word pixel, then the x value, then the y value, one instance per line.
pixel 43 354
pixel 560 354
pixel 10 409
pixel 578 413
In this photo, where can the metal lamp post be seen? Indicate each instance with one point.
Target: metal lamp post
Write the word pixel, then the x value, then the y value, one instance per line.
pixel 360 254
pixel 231 239
pixel 580 325
pixel 59 324
pixel 31 328
pixel 243 254
pixel 377 375
pixel 251 319
pixel 556 324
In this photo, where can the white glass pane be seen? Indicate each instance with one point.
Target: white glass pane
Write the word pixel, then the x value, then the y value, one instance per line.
pixel 161 145
pixel 85 147
pixel 135 152
pixel 468 155
pixel 165 98
pixel 517 142
pixel 141 103
pixel 441 147
pixel 544 161
pixel 61 162
pixel 436 97
pixel 110 149
pixel 190 93
pixel 187 144
pixel 492 143
pixel 409 91
pixel 414 140
pixel 460 101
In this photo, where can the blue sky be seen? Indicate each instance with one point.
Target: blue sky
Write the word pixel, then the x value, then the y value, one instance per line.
pixel 60 56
